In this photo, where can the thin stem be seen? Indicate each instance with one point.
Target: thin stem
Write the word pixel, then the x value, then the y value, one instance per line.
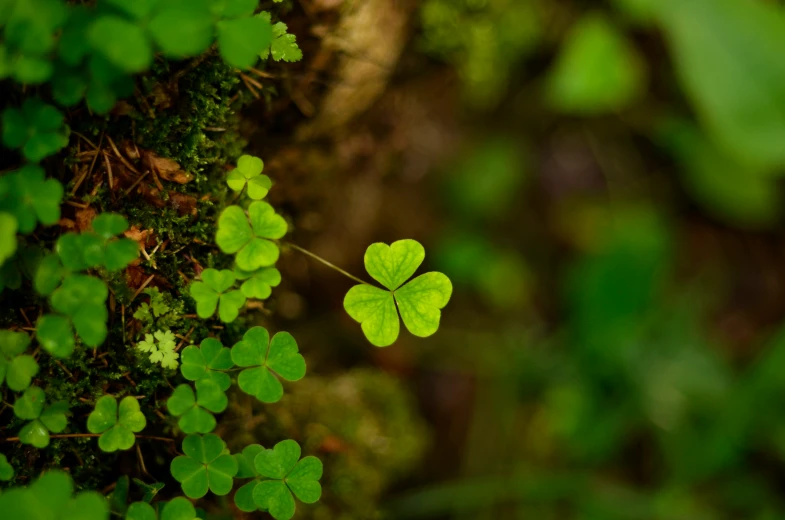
pixel 75 435
pixel 325 262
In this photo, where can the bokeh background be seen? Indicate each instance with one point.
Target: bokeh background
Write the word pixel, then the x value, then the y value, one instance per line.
pixel 601 181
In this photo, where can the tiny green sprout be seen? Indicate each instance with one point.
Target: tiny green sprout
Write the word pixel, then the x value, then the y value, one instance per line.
pixel 213 291
pixel 51 497
pixel 30 406
pixel 6 470
pixel 83 299
pixel 55 334
pixel 287 476
pixel 194 411
pixel 206 465
pixel 251 240
pixel 30 197
pixel 16 368
pixel 8 228
pixel 116 426
pixel 267 361
pixel 179 508
pixel 419 301
pixel 284 45
pixel 207 362
pixel 249 173
pixel 258 284
pixel 37 128
pixel 160 347
pixel 243 497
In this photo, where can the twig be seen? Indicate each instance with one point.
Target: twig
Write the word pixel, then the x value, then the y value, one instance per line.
pixel 90 170
pixel 82 435
pixel 325 262
pixel 140 289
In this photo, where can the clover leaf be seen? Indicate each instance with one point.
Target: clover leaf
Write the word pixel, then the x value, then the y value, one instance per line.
pixel 250 240
pixel 8 228
pixel 241 40
pixel 83 299
pixel 6 470
pixel 121 42
pixel 55 334
pixel 249 173
pixel 16 369
pixel 287 476
pixel 48 274
pixel 50 497
pixel 30 406
pixel 204 466
pixel 117 427
pixel 419 301
pixel 98 247
pixel 194 411
pixel 259 284
pixel 37 128
pixel 30 197
pixel 267 360
pixel 243 497
pixel 206 362
pixel 213 291
pixel 179 508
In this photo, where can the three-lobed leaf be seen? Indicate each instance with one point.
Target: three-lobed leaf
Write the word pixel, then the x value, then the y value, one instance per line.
pixel 204 466
pixel 250 236
pixel 116 425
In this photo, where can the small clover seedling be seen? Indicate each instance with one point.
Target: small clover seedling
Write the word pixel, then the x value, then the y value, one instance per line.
pixel 16 369
pixel 213 291
pixel 50 497
pixel 265 360
pixel 30 197
pixel 37 128
pixel 419 301
pixel 206 465
pixel 249 173
pixel 243 497
pixel 194 411
pixel 179 508
pixel 287 476
pixel 6 470
pixel 259 284
pixel 251 239
pixel 117 427
pixel 206 362
pixel 30 406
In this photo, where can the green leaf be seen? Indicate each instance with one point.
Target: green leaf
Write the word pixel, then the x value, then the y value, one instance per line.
pixel 204 466
pixel 137 9
pixel 55 334
pixel 240 41
pixel 37 128
pixel 48 274
pixel 194 410
pixel 245 461
pixel 206 361
pixel 54 416
pixel 597 71
pixel 420 301
pixel 117 427
pixel 122 42
pixel 78 290
pixel 182 30
pixel 275 497
pixel 213 291
pixel 8 229
pixel 248 173
pixel 726 55
pixel 303 480
pixel 236 234
pixel 178 508
pixel 31 198
pixel 35 434
pixel 279 461
pixel 140 511
pixel 6 470
pixel 243 497
pixel 267 359
pixel 30 404
pixel 259 285
pixel 108 225
pixel 20 372
pixel 118 499
pixel 88 505
pixel 284 45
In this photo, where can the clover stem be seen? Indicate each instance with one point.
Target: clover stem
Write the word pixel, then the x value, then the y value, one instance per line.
pixel 74 435
pixel 325 262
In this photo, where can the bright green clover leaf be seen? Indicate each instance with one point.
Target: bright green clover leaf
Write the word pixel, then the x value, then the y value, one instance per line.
pixel 243 497
pixel 213 291
pixel 250 239
pixel 179 508
pixel 6 470
pixel 50 497
pixel 8 228
pixel 287 476
pixel 16 368
pixel 30 406
pixel 30 197
pixel 37 128
pixel 420 301
pixel 83 299
pixel 249 173
pixel 284 45
pixel 194 411
pixel 259 284
pixel 267 359
pixel 117 427
pixel 204 466
pixel 241 40
pixel 55 334
pixel 206 362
